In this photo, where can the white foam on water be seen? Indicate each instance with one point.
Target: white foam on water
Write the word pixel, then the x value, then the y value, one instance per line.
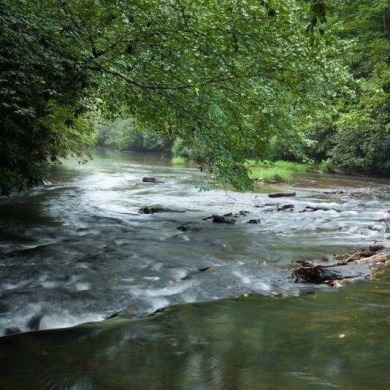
pixel 252 282
pixel 127 279
pixel 188 298
pixel 14 286
pixel 161 292
pixel 157 303
pixel 260 285
pixel 65 320
pixel 49 284
pixel 178 273
pixel 244 279
pixel 20 318
pixel 80 286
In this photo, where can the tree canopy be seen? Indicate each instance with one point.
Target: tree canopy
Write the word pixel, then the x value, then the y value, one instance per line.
pixel 223 75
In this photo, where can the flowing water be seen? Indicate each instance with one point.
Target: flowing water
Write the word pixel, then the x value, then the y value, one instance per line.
pixel 78 250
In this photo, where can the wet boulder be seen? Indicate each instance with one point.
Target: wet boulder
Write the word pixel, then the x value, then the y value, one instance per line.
pixel 226 218
pixel 223 219
pixel 11 330
pixel 150 210
pixel 286 207
pixel 147 179
pixel 322 274
pixel 362 264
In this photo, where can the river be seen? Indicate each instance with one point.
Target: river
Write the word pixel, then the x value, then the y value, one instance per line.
pixel 77 250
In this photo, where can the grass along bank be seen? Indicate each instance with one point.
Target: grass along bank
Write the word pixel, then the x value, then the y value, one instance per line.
pixel 274 171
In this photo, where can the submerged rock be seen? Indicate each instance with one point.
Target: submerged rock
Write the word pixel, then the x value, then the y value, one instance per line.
pixel 187 227
pixel 254 221
pixel 12 330
pixel 33 323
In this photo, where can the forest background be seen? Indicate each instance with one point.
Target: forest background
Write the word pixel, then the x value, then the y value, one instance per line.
pixel 220 82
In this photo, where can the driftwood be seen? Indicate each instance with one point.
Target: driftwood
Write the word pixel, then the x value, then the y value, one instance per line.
pixel 281 194
pixel 311 208
pixel 158 209
pixel 148 179
pixel 361 264
pixel 337 192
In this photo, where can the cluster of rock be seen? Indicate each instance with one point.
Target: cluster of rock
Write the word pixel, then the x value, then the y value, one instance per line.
pixel 358 265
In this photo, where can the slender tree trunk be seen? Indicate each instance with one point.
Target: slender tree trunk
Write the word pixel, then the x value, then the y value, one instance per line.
pixel 386 17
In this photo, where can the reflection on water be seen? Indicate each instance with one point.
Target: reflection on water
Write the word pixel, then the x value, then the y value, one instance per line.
pixel 331 339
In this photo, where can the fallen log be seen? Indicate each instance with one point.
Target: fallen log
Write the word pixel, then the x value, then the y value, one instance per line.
pixel 158 209
pixel 148 179
pixel 312 209
pixel 281 194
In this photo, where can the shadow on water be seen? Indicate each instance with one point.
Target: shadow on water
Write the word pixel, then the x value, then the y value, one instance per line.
pixel 330 339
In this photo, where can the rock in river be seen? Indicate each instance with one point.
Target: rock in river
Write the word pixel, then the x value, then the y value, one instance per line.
pixel 362 264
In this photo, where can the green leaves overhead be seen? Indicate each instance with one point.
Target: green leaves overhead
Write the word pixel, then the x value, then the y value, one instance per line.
pixel 223 75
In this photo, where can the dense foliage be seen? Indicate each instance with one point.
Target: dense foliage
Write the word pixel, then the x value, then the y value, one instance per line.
pixel 123 134
pixel 357 135
pixel 225 77
pixel 41 87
